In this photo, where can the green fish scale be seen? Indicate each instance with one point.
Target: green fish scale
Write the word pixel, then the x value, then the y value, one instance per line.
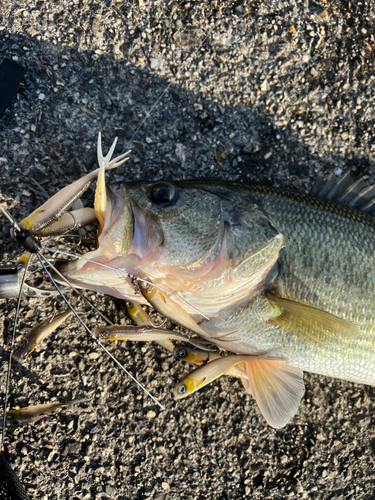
pixel 328 263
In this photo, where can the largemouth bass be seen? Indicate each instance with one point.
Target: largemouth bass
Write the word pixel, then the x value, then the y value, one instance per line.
pixel 285 271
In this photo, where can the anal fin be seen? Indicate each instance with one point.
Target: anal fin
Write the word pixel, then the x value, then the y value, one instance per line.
pixel 276 387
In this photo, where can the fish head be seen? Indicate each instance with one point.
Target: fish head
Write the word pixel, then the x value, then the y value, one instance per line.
pixel 185 387
pixel 22 349
pixel 196 238
pixel 176 228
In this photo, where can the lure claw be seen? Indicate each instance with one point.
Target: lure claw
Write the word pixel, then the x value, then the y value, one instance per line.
pixel 104 160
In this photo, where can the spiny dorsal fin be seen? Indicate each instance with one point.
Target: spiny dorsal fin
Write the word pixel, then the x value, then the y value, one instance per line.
pixel 345 192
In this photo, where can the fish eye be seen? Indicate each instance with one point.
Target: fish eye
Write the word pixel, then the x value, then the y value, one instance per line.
pixel 24 343
pixel 162 193
pixel 182 389
pixel 146 286
pixel 181 353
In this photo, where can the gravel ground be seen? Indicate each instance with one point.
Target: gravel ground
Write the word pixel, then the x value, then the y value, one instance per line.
pixel 273 92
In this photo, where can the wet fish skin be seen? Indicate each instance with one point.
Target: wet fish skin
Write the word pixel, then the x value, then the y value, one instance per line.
pixel 327 263
pixel 325 259
pixel 282 270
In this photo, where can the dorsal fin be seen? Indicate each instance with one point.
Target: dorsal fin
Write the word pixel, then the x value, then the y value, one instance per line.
pixel 345 192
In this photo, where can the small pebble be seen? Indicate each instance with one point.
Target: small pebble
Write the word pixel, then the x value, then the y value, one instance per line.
pixel 154 63
pixel 41 97
pixel 110 490
pixel 165 486
pixel 94 355
pixel 264 86
pixel 151 414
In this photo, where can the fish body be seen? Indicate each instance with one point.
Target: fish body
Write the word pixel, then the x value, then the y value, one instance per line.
pixel 38 333
pixel 32 414
pixel 282 270
pixel 210 371
pixel 141 318
pixel 139 334
pixel 327 264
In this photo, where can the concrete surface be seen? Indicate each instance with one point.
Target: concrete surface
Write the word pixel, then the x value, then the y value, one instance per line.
pixel 278 91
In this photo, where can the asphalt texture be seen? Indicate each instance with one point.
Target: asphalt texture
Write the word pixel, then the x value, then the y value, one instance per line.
pixel 274 92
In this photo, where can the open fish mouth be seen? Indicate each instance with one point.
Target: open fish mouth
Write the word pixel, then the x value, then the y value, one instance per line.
pixel 132 242
pixel 196 239
pixel 126 239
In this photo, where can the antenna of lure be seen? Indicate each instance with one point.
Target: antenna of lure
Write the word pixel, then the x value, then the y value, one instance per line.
pixel 161 324
pixel 40 257
pixel 10 218
pixel 11 344
pixel 105 161
pixel 128 275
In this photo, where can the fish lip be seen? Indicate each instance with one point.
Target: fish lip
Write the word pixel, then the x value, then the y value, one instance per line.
pixel 147 237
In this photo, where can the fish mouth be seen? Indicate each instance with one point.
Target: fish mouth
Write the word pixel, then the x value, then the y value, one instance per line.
pixel 210 269
pixel 132 243
pixel 127 246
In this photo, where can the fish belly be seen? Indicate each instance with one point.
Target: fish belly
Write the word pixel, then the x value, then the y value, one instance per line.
pixel 253 330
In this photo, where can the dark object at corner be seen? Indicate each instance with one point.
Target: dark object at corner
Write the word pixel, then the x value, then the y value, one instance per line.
pixel 10 486
pixel 10 77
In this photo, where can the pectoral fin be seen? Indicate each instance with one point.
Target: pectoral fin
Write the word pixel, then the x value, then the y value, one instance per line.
pixel 276 387
pixel 306 321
